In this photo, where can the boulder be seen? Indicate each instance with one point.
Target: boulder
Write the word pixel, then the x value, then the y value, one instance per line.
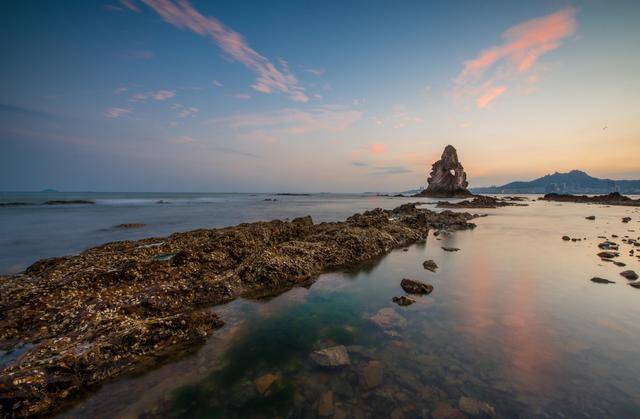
pixel 415 287
pixel 430 265
pixel 403 301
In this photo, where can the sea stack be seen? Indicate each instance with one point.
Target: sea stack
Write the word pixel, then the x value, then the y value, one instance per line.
pixel 447 178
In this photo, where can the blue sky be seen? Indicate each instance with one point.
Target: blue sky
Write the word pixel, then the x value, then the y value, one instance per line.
pixel 160 95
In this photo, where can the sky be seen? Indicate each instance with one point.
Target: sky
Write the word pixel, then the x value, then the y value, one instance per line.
pixel 307 96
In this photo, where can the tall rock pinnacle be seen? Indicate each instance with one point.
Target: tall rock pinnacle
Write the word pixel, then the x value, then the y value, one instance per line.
pixel 447 177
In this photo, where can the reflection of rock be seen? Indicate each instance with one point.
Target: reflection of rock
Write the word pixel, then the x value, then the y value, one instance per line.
pixel 415 287
pixel 333 357
pixel 475 407
pixel 447 177
pixel 264 382
pixel 387 318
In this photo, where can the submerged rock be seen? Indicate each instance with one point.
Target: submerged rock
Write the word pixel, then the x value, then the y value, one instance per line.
pixel 630 275
pixel 325 404
pixel 447 177
pixel 403 301
pixel 264 382
pixel 416 287
pixel 445 411
pixel 598 280
pixel 388 318
pixel 334 357
pixel 372 375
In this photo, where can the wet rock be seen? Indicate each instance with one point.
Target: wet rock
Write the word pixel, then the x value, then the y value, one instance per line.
pixel 372 374
pixel 590 217
pixel 325 404
pixel 69 202
pixel 130 225
pixel 450 249
pixel 608 255
pixel 415 287
pixel 599 280
pixel 403 301
pixel 476 408
pixel 635 284
pixel 263 383
pixel 334 357
pixel 480 201
pixel 430 265
pixel 566 238
pixel 621 264
pixel 626 219
pixel 608 245
pixel 447 177
pixel 388 318
pixel 630 275
pixel 614 198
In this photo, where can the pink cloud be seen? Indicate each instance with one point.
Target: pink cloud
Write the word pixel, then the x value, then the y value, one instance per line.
pixel 522 47
pixel 377 148
pixel 130 5
pixel 161 95
pixel 116 112
pixel 270 78
pixel 489 96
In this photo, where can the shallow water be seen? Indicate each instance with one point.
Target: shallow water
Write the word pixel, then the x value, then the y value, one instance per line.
pixel 514 322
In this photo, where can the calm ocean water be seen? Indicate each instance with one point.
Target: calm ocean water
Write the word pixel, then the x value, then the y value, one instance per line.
pixel 514 321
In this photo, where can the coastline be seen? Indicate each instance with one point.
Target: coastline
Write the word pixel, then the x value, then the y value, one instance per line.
pixel 116 306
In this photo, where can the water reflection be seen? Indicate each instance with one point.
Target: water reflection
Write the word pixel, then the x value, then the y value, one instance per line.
pixel 514 328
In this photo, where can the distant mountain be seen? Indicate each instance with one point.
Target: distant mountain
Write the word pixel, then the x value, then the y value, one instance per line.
pixel 574 182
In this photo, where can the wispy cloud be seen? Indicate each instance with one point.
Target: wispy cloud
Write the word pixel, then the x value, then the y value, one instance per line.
pixel 294 121
pixel 242 96
pixel 486 76
pixel 116 112
pixel 270 77
pixel 315 71
pixel 389 170
pixel 161 95
pixel 187 140
pixel 182 140
pixel 216 83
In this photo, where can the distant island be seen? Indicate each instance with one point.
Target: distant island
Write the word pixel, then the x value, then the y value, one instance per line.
pixel 573 182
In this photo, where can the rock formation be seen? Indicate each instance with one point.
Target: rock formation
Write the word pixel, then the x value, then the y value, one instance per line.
pixel 447 177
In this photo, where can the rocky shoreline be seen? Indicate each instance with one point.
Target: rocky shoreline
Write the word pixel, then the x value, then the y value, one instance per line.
pixel 71 323
pixel 614 198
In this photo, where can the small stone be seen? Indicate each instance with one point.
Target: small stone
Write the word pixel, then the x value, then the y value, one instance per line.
pixel 608 255
pixel 264 382
pixel 621 264
pixel 635 284
pixel 403 301
pixel 430 265
pixel 333 357
pixel 598 280
pixel 372 374
pixel 415 287
pixel 475 407
pixel 450 249
pixel 630 275
pixel 591 217
pixel 626 219
pixel 325 404
pixel 566 238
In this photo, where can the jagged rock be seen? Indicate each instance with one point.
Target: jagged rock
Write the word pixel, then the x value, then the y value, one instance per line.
pixel 415 287
pixel 333 357
pixel 447 177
